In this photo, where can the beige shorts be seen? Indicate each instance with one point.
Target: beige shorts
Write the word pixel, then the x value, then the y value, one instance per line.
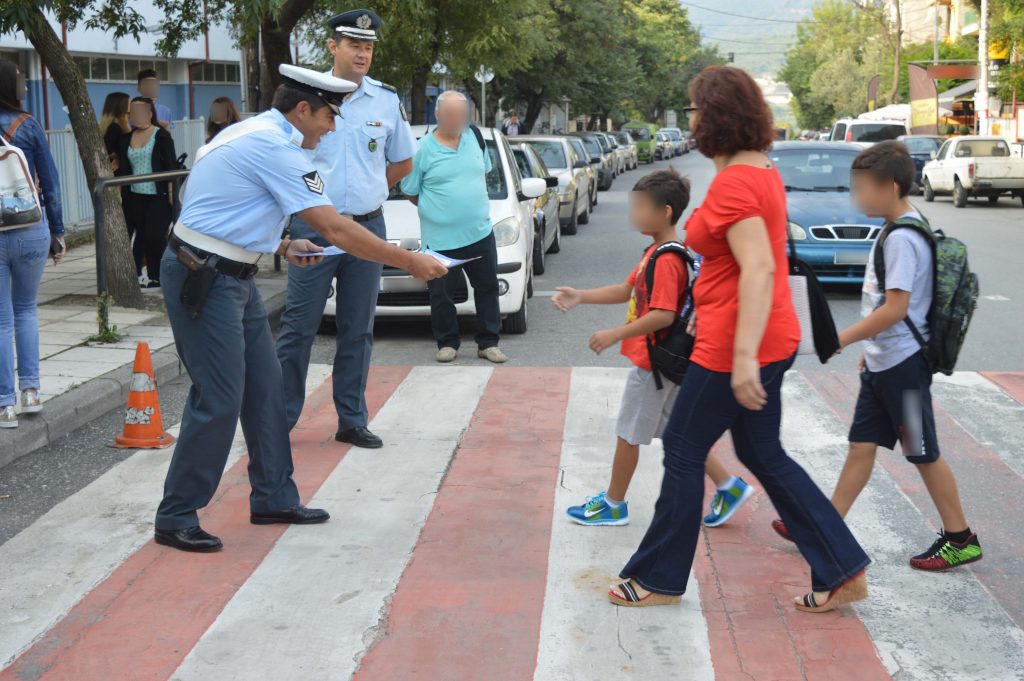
pixel 645 409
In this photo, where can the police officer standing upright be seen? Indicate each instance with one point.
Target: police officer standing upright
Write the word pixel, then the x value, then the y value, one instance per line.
pixel 242 187
pixel 370 151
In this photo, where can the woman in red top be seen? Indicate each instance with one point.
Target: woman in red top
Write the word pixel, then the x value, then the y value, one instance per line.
pixel 747 336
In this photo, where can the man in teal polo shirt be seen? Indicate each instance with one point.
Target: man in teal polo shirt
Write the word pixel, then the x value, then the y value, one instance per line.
pixel 449 186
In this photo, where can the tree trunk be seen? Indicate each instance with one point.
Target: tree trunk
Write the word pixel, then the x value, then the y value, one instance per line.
pixel 252 75
pixel 418 96
pixel 895 91
pixel 534 105
pixel 122 283
pixel 276 31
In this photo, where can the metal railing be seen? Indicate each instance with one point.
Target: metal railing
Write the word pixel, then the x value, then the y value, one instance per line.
pixel 76 198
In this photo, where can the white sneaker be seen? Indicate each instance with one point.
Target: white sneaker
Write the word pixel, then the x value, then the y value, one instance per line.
pixel 447 354
pixel 492 354
pixel 8 417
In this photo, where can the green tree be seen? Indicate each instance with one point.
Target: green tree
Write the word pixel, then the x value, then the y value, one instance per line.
pixel 1008 30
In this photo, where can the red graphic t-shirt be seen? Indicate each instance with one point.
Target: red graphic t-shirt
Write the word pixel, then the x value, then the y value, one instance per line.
pixel 737 193
pixel 669 292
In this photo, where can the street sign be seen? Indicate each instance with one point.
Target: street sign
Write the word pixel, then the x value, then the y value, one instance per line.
pixel 484 75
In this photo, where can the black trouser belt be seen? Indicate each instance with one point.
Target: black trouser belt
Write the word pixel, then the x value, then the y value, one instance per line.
pixel 231 268
pixel 366 217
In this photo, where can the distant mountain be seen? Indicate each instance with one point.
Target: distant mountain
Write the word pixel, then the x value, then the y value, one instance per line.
pixel 757 44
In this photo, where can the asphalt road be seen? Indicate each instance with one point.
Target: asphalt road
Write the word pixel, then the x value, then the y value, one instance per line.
pixel 603 252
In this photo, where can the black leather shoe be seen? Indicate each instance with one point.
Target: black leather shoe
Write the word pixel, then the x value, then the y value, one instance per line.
pixel 193 539
pixel 296 515
pixel 359 437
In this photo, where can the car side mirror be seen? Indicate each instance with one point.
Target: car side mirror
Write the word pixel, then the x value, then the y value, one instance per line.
pixel 533 187
pixel 595 159
pixel 551 181
pixel 580 164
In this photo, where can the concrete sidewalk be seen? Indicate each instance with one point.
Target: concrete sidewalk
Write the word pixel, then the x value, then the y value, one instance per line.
pixel 80 380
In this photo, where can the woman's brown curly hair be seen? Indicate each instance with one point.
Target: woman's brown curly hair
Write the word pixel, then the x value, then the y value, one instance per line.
pixel 734 115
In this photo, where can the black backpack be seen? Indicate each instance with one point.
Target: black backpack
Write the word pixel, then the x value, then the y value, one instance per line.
pixel 954 293
pixel 669 349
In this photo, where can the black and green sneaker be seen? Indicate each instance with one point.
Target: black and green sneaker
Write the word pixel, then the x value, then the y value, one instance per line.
pixel 946 554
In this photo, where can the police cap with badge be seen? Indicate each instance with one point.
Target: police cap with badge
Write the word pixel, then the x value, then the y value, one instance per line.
pixel 357 24
pixel 327 87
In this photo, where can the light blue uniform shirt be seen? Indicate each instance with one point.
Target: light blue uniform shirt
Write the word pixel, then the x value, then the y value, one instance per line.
pixel 454 207
pixel 242 191
pixel 353 160
pixel 163 113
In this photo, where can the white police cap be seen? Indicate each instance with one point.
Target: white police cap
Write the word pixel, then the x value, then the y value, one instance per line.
pixel 330 89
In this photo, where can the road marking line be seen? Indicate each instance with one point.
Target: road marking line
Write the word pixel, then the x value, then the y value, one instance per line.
pixel 582 635
pixel 142 620
pixel 469 604
pixel 279 626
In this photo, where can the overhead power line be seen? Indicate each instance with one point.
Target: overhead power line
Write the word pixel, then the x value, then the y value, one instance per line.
pixel 745 16
pixel 746 42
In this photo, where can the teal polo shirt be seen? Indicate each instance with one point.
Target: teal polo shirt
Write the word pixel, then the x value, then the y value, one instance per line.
pixel 454 207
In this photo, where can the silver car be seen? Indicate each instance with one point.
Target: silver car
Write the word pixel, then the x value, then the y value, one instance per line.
pixel 563 162
pixel 626 141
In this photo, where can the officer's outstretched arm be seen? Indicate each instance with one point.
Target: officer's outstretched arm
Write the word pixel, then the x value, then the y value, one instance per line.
pixel 353 238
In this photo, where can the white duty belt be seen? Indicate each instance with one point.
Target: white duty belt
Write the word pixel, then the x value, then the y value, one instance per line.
pixel 205 242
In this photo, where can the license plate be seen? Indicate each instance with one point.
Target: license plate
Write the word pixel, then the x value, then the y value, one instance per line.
pixel 852 258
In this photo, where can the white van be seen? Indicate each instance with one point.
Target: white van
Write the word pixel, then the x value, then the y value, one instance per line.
pixel 866 131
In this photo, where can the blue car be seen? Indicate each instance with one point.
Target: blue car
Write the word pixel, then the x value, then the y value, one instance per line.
pixel 922 149
pixel 831 235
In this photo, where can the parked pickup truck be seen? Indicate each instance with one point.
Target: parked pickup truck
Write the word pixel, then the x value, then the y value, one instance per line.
pixel 970 166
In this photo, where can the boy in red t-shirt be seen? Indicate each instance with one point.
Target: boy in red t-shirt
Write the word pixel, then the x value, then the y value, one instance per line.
pixel 656 204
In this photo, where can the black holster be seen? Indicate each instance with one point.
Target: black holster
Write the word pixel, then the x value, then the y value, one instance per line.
pixel 202 273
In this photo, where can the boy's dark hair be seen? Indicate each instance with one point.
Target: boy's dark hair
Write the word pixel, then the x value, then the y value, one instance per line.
pixel 146 73
pixel 667 188
pixel 888 161
pixel 287 98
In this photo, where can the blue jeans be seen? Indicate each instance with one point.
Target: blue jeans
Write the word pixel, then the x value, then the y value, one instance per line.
pixel 22 259
pixel 358 282
pixel 705 409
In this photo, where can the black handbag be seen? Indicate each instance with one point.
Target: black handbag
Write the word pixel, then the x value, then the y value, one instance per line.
pixel 815 307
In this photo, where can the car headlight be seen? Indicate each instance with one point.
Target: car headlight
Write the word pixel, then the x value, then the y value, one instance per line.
pixel 506 232
pixel 796 232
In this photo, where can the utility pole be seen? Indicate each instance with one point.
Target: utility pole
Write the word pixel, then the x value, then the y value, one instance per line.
pixel 935 42
pixel 897 67
pixel 981 95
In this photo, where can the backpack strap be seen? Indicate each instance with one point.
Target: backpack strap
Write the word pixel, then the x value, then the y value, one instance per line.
pixel 924 229
pixel 479 137
pixel 667 247
pixel 9 135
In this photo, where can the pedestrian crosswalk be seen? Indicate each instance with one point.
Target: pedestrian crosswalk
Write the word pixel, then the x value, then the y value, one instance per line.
pixel 448 555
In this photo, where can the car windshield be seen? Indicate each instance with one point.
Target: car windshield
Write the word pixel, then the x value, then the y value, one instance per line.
pixel 922 145
pixel 982 148
pixel 580 151
pixel 601 141
pixel 673 135
pixel 496 187
pixel 814 170
pixel 641 133
pixel 876 132
pixel 592 146
pixel 624 138
pixel 552 153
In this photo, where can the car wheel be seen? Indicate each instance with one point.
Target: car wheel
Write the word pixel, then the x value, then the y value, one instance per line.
pixel 959 194
pixel 929 193
pixel 572 227
pixel 515 323
pixel 556 245
pixel 538 252
pixel 1022 199
pixel 585 216
pixel 593 197
pixel 529 285
pixel 994 198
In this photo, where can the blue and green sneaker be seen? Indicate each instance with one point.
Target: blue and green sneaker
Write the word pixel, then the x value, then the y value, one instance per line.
pixel 725 503
pixel 597 511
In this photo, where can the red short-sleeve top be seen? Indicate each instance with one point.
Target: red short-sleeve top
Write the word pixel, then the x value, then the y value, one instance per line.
pixel 737 193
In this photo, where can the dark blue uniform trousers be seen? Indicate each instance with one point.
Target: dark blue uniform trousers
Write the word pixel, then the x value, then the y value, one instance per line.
pixel 358 282
pixel 229 354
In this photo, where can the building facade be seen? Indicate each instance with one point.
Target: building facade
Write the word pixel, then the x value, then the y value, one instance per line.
pixel 204 69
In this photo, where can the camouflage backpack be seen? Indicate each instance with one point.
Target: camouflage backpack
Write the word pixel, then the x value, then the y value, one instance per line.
pixel 955 293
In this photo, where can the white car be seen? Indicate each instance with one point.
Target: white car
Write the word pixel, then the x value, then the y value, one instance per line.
pixel 866 131
pixel 511 199
pixel 675 138
pixel 972 166
pixel 563 162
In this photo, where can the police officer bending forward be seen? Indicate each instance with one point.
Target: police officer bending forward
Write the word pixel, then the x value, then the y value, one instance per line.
pixel 243 186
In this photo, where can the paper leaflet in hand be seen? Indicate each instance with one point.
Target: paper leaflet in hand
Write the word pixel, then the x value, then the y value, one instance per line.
pixel 328 250
pixel 445 260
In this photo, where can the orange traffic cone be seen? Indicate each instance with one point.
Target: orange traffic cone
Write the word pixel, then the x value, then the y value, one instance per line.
pixel 143 427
